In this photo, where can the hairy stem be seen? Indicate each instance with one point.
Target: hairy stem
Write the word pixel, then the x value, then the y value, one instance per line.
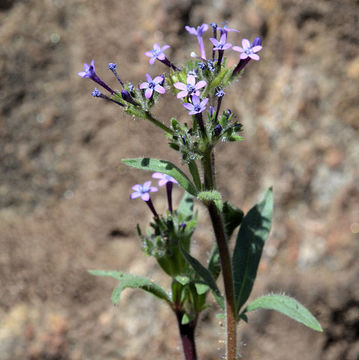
pixel 225 259
pixel 187 337
pixel 158 123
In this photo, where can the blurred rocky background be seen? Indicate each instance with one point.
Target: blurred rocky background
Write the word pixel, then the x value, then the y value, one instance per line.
pixel 64 193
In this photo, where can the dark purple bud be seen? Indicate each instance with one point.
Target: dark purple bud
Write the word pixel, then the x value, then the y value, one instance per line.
pixel 182 225
pixel 127 97
pixel 112 66
pixel 238 127
pixel 214 26
pixel 257 41
pixel 229 113
pixel 211 111
pixel 217 130
pixel 211 66
pixel 202 65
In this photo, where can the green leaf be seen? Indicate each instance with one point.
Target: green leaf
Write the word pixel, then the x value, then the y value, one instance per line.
pixel 252 235
pixel 201 288
pixel 164 167
pixel 287 306
pixel 186 205
pixel 204 275
pixel 232 218
pixel 214 263
pixel 192 166
pixel 134 282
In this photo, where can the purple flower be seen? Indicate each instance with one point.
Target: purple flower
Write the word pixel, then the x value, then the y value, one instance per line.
pixel 156 53
pixel 221 44
pixel 113 67
pixel 91 74
pixel 153 85
pixel 164 179
pixel 191 88
pixel 225 29
pixel 199 33
pixel 197 105
pixel 249 50
pixel 143 191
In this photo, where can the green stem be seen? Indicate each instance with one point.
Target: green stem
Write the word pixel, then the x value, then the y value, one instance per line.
pixel 158 123
pixel 225 258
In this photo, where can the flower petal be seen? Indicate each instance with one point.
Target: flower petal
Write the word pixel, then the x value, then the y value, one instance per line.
pixel 158 175
pixel 148 93
pixel 188 106
pixel 254 57
pixel 144 85
pixel 191 80
pixel 182 94
pixel 201 84
pixel 243 56
pixel 195 100
pixel 180 86
pixel 214 41
pixel 136 187
pixel 246 44
pixel 148 77
pixel 237 48
pixel 145 196
pixel 135 195
pixel 256 48
pixel 160 89
pixel 158 79
pixel 146 185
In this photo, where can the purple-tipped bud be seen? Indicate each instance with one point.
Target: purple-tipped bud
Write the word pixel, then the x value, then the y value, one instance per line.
pixel 217 130
pixel 211 111
pixel 220 93
pixel 96 93
pixel 211 66
pixel 182 225
pixel 214 26
pixel 112 66
pixel 229 113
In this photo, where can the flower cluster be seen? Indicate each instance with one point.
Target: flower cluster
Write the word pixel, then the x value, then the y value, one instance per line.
pixel 143 191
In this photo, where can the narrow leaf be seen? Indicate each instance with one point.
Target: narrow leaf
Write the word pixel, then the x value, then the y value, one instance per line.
pixel 252 235
pixel 192 166
pixel 204 275
pixel 214 264
pixel 134 282
pixel 164 167
pixel 287 306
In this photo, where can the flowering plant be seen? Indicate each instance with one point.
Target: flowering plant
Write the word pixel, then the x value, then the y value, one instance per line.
pixel 199 85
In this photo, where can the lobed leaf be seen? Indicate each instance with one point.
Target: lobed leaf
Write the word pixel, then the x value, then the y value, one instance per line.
pixel 164 167
pixel 287 306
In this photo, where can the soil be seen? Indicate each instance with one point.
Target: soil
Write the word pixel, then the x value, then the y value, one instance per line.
pixel 64 192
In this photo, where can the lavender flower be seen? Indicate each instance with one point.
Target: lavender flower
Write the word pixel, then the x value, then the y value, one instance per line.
pixel 191 88
pixel 197 105
pixel 256 45
pixel 156 53
pixel 167 180
pixel 153 85
pixel 91 74
pixel 202 65
pixel 248 49
pixel 221 44
pixel 143 191
pixel 199 33
pixel 225 29
pixel 164 178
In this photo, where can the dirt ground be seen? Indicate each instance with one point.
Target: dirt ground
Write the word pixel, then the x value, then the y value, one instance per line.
pixel 64 193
